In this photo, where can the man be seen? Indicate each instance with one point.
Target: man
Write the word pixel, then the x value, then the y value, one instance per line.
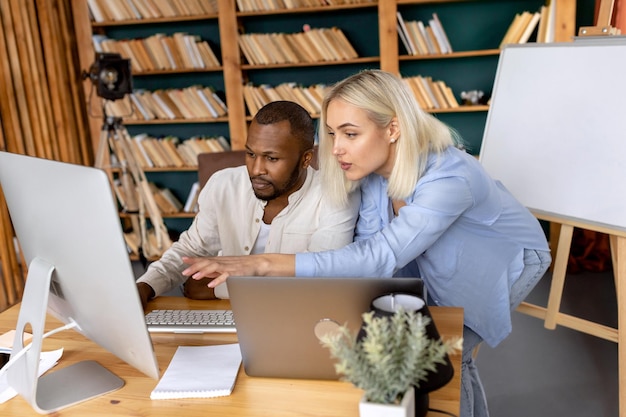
pixel 273 204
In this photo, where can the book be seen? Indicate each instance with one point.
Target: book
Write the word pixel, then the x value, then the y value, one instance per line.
pixel 437 93
pixel 448 94
pixel 516 29
pixel 418 40
pixel 438 27
pixel 172 200
pixel 423 34
pixel 530 27
pixel 543 24
pixel 347 47
pixel 191 203
pixel 405 36
pixel 208 55
pixel 96 12
pixel 432 40
pixel 223 143
pixel 511 30
pixel 427 93
pixel 412 83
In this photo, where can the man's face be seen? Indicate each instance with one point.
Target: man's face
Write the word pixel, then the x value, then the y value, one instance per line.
pixel 273 160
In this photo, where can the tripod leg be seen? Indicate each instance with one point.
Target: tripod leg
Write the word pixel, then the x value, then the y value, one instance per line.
pixel 102 154
pixel 122 146
pixel 143 191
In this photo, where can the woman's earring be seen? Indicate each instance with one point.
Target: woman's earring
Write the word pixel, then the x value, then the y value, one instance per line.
pixel 393 140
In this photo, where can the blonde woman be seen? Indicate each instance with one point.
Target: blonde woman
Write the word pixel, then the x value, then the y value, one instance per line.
pixel 427 209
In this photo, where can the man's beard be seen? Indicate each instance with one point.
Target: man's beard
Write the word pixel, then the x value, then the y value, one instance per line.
pixel 293 179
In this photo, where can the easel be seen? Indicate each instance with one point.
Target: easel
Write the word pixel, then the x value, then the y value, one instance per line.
pixel 553 317
pixel 603 25
pixel 551 314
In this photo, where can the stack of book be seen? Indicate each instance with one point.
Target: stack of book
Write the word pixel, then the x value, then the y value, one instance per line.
pixel 257 6
pixel 167 202
pixel 109 10
pixel 171 152
pixel 431 95
pixel 161 52
pixel 134 243
pixel 311 45
pixel 163 197
pixel 308 97
pixel 195 102
pixel 421 39
pixel 525 24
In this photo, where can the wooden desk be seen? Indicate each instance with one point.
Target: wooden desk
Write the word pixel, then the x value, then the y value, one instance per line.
pixel 251 396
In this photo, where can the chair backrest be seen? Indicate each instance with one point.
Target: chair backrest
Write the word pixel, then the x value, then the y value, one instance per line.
pixel 210 162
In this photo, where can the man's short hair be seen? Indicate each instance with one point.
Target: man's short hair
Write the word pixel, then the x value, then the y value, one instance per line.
pixel 302 127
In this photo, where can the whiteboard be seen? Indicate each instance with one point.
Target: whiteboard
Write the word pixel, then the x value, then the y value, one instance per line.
pixel 555 134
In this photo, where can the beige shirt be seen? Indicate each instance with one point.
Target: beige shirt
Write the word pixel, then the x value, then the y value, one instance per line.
pixel 230 217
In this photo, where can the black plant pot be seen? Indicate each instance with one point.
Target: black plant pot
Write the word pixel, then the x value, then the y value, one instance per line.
pixel 422 402
pixel 386 306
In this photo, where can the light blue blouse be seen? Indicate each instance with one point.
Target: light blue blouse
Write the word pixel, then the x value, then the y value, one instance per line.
pixel 461 231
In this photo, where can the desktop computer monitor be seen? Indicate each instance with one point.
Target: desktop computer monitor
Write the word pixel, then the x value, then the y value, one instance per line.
pixel 67 224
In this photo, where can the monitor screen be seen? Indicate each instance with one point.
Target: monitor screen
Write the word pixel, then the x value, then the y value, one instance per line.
pixel 67 224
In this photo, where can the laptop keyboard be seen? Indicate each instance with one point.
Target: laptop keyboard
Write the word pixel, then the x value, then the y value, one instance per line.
pixel 190 321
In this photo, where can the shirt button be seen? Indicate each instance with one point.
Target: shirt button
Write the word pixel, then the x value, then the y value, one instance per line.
pixel 246 249
pixel 257 220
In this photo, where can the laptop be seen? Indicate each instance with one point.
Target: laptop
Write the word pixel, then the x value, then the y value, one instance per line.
pixel 278 318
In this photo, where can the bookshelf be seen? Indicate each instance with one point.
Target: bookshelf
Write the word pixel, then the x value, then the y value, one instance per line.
pixel 370 28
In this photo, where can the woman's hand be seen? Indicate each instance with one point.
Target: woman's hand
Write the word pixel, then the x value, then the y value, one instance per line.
pixel 221 267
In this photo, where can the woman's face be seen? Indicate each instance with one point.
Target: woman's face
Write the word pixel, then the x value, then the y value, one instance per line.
pixel 361 147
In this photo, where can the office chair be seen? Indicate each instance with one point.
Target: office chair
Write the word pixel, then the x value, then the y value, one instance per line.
pixel 210 162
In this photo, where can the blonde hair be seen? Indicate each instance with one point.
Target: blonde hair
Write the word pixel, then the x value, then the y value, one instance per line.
pixel 384 96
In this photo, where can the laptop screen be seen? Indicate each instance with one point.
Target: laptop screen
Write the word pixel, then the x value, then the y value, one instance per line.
pixel 278 317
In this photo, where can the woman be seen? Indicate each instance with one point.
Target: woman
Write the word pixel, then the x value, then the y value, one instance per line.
pixel 428 209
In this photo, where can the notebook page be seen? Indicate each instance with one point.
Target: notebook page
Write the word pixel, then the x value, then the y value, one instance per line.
pixel 199 372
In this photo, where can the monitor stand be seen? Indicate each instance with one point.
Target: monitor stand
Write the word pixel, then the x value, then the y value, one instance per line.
pixel 61 388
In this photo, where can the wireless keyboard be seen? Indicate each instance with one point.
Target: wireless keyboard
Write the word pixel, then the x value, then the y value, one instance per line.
pixel 190 321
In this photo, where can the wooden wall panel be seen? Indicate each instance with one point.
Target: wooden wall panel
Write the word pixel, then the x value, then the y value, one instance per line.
pixel 41 105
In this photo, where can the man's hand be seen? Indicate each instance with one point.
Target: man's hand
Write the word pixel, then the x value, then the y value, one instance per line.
pixel 198 289
pixel 146 293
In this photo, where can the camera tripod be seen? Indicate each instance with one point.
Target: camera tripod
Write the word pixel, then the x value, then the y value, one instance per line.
pixel 131 188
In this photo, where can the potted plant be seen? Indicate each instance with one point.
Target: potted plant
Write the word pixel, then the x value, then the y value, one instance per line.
pixel 389 359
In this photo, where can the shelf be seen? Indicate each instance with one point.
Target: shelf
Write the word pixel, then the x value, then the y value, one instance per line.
pixel 314 9
pixel 181 215
pixel 451 55
pixel 423 2
pixel 162 169
pixel 175 121
pixel 150 21
pixel 171 169
pixel 364 60
pixel 180 71
pixel 461 109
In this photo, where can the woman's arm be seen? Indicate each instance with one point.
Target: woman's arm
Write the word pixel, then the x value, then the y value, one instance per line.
pixel 221 267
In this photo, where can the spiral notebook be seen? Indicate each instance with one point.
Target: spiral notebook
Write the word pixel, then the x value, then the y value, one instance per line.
pixel 199 372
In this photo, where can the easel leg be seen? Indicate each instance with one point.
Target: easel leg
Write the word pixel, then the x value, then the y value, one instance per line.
pixel 555 232
pixel 619 269
pixel 558 275
pixel 613 248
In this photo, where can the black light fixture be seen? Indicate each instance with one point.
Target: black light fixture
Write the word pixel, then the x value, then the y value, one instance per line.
pixel 111 75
